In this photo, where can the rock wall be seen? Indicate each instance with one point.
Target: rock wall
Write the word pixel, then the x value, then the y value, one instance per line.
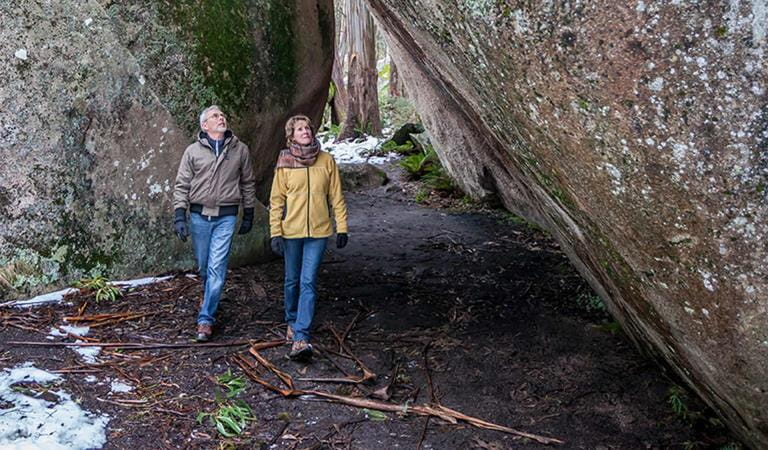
pixel 100 98
pixel 637 133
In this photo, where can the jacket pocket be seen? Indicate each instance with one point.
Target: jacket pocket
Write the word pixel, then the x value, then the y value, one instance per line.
pixel 320 215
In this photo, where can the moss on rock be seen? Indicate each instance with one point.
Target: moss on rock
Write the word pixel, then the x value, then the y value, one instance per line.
pixel 282 43
pixel 219 33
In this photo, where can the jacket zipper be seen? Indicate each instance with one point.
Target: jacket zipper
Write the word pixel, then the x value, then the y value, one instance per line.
pixel 216 164
pixel 309 234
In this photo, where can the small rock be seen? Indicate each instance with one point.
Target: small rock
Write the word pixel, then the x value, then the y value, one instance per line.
pixel 361 176
pixel 21 54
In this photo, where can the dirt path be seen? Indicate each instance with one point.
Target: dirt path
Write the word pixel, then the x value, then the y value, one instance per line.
pixel 488 305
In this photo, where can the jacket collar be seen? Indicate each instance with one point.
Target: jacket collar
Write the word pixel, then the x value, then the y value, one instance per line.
pixel 229 137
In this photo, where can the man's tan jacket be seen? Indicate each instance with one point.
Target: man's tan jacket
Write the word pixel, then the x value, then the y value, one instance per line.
pixel 213 182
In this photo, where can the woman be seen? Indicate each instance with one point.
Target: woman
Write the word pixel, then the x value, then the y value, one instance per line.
pixel 306 182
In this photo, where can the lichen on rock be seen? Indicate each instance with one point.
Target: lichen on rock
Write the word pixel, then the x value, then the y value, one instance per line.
pixel 619 128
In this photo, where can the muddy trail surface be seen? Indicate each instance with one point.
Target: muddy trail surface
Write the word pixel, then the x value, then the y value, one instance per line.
pixel 469 310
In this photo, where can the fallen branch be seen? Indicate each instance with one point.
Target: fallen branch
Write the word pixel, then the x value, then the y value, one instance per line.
pixel 146 346
pixel 284 377
pixel 24 320
pixel 442 412
pixel 345 380
pixel 367 374
pixel 432 395
pixel 125 403
pixel 382 393
pixel 100 320
pixel 423 433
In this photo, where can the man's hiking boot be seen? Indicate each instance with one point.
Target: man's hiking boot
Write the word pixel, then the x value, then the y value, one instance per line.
pixel 204 332
pixel 300 351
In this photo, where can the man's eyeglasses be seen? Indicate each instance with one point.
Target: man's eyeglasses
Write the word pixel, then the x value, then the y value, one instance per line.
pixel 216 116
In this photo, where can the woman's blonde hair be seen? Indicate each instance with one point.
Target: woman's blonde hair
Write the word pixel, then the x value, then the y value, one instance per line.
pixel 291 124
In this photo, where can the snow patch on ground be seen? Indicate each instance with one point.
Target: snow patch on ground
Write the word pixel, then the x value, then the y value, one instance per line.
pixel 119 387
pixel 51 297
pixel 353 151
pixel 29 422
pixel 141 281
pixel 58 296
pixel 77 331
pixel 88 354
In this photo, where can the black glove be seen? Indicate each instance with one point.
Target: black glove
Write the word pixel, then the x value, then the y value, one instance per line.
pixel 180 224
pixel 277 245
pixel 341 240
pixel 247 223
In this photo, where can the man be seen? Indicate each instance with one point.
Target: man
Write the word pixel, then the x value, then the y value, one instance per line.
pixel 214 178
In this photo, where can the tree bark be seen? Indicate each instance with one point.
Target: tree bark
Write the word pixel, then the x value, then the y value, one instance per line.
pixel 362 109
pixel 339 100
pixel 395 85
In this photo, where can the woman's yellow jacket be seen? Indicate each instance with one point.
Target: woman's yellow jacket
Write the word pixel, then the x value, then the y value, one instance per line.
pixel 302 199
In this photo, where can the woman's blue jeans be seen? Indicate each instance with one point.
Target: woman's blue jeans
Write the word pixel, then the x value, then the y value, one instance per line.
pixel 212 240
pixel 302 260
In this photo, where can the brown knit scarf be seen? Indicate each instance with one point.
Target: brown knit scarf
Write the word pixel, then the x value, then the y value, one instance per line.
pixel 298 156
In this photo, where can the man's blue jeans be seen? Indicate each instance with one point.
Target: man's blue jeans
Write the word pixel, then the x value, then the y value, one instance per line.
pixel 212 240
pixel 302 260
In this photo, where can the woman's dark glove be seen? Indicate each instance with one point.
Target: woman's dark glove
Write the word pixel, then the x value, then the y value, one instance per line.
pixel 277 245
pixel 247 223
pixel 180 224
pixel 341 240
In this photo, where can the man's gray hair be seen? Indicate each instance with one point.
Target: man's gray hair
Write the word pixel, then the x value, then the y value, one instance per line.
pixel 205 113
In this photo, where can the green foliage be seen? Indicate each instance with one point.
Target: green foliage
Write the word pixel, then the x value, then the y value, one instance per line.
pixel 414 165
pixel 101 288
pixel 421 196
pixel 721 31
pixel 373 414
pixel 231 416
pixel 590 303
pixel 384 73
pixel 392 147
pixel 229 419
pixel 438 179
pixel 425 166
pixel 731 446
pixel 677 398
pixel 419 164
pixel 334 129
pixel 235 385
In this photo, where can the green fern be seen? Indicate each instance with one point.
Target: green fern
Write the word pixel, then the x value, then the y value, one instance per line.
pixel 101 287
pixel 677 399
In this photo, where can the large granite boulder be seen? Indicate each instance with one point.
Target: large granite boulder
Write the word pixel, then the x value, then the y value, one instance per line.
pixel 100 98
pixel 637 133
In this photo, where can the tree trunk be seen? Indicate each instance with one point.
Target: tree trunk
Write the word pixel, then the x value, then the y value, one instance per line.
pixel 339 100
pixel 362 111
pixel 395 85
